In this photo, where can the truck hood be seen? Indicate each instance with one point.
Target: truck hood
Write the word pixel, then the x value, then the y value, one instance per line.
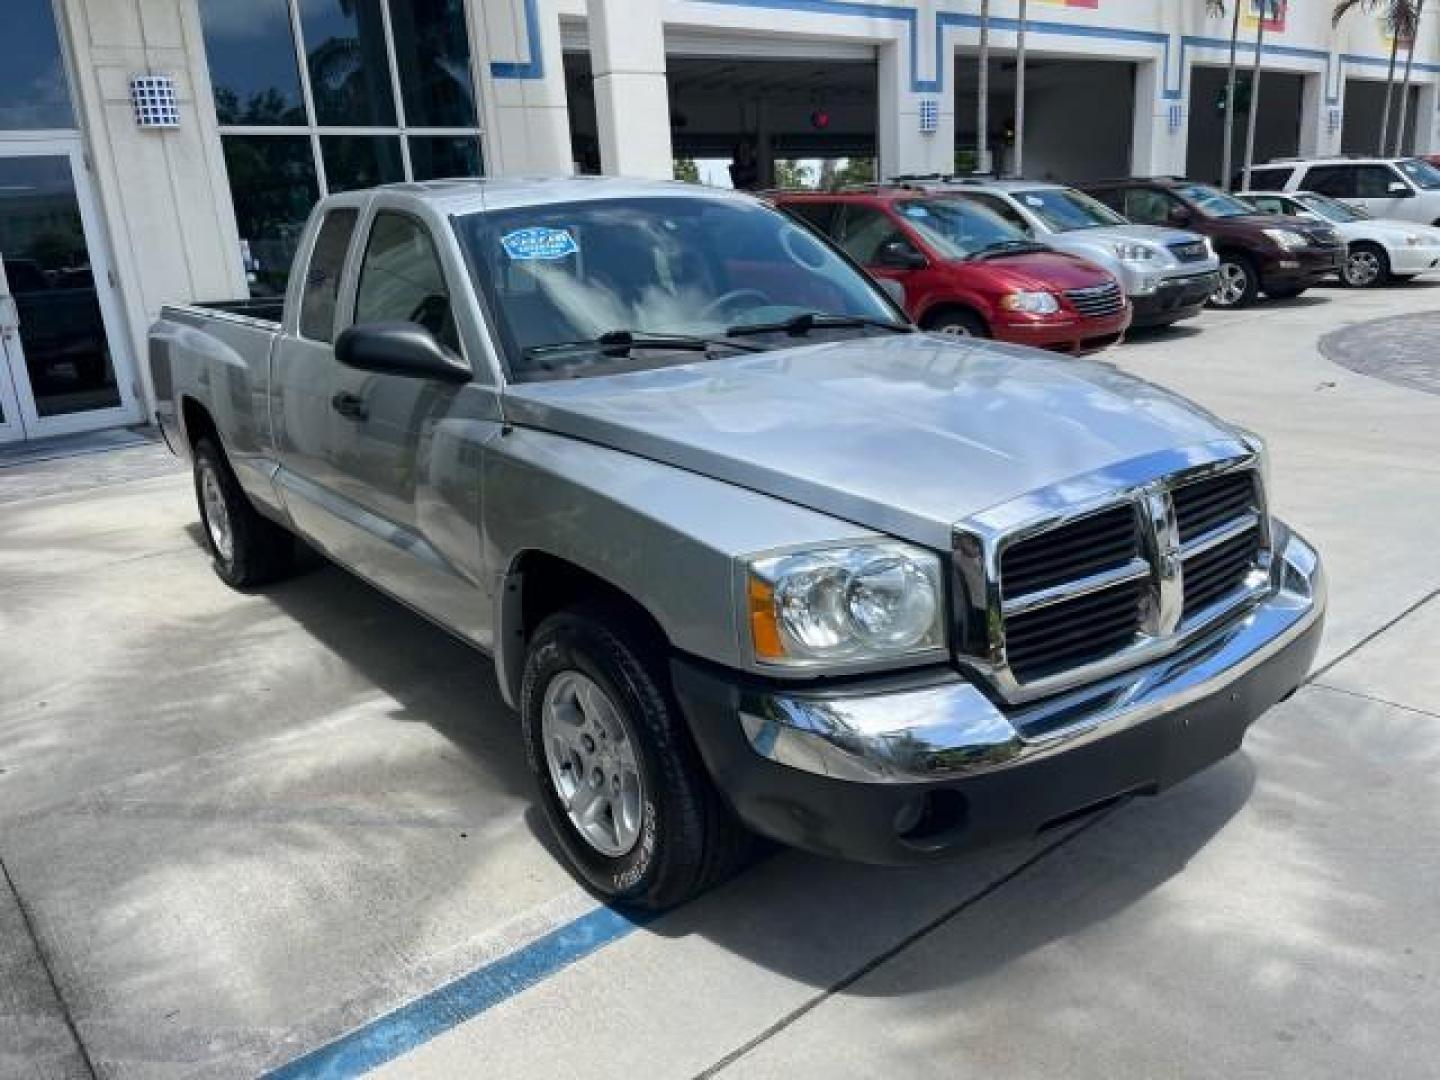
pixel 902 435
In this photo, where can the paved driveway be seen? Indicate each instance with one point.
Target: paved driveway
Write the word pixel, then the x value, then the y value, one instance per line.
pixel 236 828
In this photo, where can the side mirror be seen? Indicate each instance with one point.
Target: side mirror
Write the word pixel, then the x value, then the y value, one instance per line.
pixel 1399 190
pixel 398 348
pixel 899 255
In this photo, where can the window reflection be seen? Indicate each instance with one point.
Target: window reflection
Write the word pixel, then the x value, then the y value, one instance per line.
pixel 436 157
pixel 33 91
pixel 252 62
pixel 349 68
pixel 361 161
pixel 272 180
pixel 433 56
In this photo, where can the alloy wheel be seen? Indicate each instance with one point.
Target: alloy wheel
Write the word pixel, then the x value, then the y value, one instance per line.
pixel 217 513
pixel 1362 268
pixel 1234 282
pixel 592 763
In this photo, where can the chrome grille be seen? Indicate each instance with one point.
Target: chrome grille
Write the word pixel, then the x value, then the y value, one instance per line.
pixel 1204 504
pixel 1098 301
pixel 1072 594
pixel 1219 523
pixel 1190 251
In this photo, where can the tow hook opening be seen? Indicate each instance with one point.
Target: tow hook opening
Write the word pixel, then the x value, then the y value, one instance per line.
pixel 931 819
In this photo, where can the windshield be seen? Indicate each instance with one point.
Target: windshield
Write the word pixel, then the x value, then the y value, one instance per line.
pixel 566 274
pixel 1420 173
pixel 1064 209
pixel 958 229
pixel 1329 209
pixel 1212 202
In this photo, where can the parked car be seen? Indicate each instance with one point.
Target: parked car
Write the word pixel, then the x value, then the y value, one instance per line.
pixel 1279 256
pixel 1167 273
pixel 1377 252
pixel 1396 188
pixel 748 550
pixel 966 271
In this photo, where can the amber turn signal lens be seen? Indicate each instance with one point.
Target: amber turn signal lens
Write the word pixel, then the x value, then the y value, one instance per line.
pixel 764 631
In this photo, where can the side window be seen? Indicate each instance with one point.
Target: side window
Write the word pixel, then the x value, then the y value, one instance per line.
pixel 863 230
pixel 1373 181
pixel 1273 206
pixel 322 278
pixel 1337 181
pixel 1111 197
pixel 1148 206
pixel 1265 179
pixel 821 215
pixel 401 279
pixel 1002 209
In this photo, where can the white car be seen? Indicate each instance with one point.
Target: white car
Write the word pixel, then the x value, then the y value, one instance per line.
pixel 1377 251
pixel 1406 189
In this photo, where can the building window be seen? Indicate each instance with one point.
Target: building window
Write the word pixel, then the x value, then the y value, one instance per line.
pixel 321 96
pixel 34 93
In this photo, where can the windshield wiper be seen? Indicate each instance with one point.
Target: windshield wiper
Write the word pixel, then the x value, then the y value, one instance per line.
pixel 1008 247
pixel 802 324
pixel 623 342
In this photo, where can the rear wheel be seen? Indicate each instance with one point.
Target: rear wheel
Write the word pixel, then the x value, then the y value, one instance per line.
pixel 1239 284
pixel 1366 265
pixel 247 548
pixel 957 323
pixel 622 785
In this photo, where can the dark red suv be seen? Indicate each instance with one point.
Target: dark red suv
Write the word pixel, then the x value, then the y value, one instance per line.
pixel 967 271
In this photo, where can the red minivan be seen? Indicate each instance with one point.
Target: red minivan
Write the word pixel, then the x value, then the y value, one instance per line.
pixel 967 271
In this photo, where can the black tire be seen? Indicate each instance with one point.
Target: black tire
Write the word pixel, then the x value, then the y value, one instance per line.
pixel 957 322
pixel 1366 266
pixel 689 839
pixel 1239 283
pixel 259 551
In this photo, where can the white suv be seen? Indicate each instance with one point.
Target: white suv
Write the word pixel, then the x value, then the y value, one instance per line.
pixel 1404 188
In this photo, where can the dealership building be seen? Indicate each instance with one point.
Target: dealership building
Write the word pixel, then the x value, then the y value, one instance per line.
pixel 166 150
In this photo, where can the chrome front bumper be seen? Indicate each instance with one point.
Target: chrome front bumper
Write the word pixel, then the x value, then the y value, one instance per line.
pixel 952 730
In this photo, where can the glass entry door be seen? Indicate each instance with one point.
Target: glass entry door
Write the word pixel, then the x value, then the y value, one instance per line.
pixel 66 365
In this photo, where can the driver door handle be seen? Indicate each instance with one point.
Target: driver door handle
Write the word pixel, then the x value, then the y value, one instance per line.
pixel 351 406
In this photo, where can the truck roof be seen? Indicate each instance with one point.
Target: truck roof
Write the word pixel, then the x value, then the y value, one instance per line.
pixel 501 193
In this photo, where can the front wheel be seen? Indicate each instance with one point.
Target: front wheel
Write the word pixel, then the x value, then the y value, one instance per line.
pixel 957 324
pixel 622 785
pixel 1366 266
pixel 247 548
pixel 1239 284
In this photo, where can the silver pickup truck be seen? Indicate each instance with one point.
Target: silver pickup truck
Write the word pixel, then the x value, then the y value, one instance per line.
pixel 749 552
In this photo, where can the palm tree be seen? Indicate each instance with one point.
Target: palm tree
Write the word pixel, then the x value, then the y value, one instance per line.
pixel 1413 32
pixel 1268 10
pixel 1398 14
pixel 1217 9
pixel 1020 92
pixel 982 97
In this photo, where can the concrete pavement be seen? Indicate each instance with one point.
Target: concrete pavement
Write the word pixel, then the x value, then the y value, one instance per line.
pixel 243 825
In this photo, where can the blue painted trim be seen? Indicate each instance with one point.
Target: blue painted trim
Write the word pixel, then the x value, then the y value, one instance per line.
pixel 412 1025
pixel 534 68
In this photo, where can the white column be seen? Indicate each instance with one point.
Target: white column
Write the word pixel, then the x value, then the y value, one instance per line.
pixel 632 101
pixel 1318 137
pixel 1158 145
pixel 527 117
pixel 903 147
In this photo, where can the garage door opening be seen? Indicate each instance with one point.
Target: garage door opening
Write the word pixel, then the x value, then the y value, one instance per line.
pixel 1364 107
pixel 1277 131
pixel 794 122
pixel 1078 117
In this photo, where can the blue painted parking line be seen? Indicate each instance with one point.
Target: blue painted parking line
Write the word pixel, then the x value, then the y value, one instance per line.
pixel 396 1033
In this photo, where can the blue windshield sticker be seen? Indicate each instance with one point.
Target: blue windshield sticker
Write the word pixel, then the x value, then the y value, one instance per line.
pixel 528 245
pixel 917 212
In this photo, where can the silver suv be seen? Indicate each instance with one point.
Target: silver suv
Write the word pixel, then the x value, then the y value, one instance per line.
pixel 1397 187
pixel 1168 273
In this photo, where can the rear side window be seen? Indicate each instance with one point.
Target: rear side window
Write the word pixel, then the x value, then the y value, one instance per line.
pixel 1337 181
pixel 401 280
pixel 322 279
pixel 864 231
pixel 819 214
pixel 1267 179
pixel 1148 206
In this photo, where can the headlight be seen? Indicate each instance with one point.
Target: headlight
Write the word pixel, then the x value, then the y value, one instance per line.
pixel 838 605
pixel 1031 303
pixel 1127 251
pixel 1286 239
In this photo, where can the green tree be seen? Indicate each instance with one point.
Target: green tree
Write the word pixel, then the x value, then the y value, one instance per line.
pixel 791 174
pixel 687 170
